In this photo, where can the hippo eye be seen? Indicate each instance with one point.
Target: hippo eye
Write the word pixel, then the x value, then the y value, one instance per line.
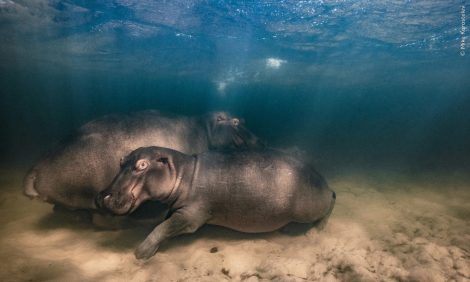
pixel 220 118
pixel 141 165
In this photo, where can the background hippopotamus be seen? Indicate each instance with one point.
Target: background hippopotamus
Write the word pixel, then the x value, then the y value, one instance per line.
pixel 248 190
pixel 85 163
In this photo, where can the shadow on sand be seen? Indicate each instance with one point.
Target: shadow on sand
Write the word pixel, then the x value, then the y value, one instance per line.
pixel 124 233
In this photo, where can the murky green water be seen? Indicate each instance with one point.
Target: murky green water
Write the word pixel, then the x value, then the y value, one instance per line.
pixel 375 94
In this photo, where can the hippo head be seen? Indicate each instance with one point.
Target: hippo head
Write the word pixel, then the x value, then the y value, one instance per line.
pixel 146 173
pixel 225 131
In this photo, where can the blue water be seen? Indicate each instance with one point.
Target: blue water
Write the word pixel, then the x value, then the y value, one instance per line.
pixel 352 83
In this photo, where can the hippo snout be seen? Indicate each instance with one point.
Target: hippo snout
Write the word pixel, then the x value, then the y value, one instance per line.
pixel 28 186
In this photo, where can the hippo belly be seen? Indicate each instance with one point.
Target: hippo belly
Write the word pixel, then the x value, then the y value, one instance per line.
pixel 259 190
pixel 249 222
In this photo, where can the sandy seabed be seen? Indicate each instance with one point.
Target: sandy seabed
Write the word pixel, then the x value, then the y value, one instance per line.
pixel 385 227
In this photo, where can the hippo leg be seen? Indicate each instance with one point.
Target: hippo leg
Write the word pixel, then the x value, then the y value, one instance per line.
pixel 321 223
pixel 296 228
pixel 180 222
pixel 307 216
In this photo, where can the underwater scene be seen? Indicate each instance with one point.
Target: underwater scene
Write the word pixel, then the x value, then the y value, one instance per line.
pixel 234 140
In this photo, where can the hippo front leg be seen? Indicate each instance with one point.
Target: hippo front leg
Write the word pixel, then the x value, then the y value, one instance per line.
pixel 180 222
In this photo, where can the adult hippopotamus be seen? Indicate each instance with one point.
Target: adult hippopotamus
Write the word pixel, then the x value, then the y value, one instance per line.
pixel 248 191
pixel 85 163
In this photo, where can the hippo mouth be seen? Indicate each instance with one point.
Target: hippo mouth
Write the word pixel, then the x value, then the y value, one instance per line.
pixel 238 141
pixel 120 207
pixel 243 138
pixel 133 193
pixel 132 207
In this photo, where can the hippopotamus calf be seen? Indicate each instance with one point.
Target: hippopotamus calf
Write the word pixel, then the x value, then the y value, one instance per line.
pixel 78 168
pixel 248 191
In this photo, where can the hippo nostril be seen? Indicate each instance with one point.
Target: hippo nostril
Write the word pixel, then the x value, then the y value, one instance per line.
pixel 334 195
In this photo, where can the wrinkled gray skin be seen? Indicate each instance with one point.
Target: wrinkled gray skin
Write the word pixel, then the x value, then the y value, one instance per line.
pixel 248 190
pixel 84 164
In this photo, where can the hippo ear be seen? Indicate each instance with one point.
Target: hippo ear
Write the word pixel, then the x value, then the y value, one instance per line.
pixel 235 122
